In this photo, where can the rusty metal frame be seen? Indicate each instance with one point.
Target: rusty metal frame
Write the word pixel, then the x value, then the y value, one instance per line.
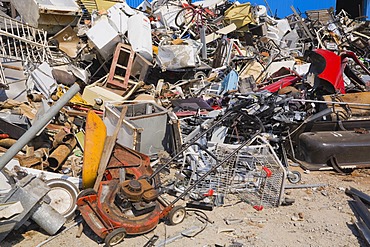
pixel 113 78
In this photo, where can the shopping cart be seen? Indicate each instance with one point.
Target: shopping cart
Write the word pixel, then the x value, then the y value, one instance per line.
pixel 254 173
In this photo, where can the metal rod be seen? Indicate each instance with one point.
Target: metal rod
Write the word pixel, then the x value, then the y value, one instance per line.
pixel 303 186
pixel 305 28
pixel 178 236
pixel 329 102
pixel 55 236
pixel 203 40
pixel 269 9
pixel 39 125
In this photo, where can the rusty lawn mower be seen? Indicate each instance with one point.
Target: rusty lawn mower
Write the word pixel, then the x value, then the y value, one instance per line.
pixel 129 200
pixel 129 207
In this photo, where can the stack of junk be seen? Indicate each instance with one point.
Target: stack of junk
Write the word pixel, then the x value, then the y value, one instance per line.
pixel 130 116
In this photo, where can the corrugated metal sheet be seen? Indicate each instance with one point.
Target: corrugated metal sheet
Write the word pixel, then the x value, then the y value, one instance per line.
pixel 367 9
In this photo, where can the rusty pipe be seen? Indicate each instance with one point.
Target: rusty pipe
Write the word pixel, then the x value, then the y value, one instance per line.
pixel 62 137
pixel 38 125
pixel 61 153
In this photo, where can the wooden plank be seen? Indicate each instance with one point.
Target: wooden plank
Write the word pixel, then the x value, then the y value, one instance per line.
pixel 110 142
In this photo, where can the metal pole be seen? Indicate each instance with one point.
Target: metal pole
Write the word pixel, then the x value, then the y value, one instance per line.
pixel 305 28
pixel 32 132
pixel 203 40
pixel 329 102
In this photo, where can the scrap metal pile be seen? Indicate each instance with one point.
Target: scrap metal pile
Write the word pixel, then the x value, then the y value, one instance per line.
pixel 172 102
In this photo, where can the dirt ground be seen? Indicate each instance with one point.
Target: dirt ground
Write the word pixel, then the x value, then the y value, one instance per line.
pixel 319 217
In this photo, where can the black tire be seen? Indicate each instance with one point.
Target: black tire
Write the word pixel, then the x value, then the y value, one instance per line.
pixel 87 192
pixel 184 17
pixel 176 215
pixel 334 163
pixel 294 177
pixel 63 195
pixel 200 75
pixel 115 237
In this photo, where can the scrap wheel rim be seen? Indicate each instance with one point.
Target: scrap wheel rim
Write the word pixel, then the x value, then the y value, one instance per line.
pixel 63 195
pixel 115 237
pixel 177 215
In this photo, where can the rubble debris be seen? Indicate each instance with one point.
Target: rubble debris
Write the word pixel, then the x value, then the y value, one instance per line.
pixel 48 15
pixel 8 210
pixel 233 221
pixel 30 191
pixel 232 96
pixel 297 217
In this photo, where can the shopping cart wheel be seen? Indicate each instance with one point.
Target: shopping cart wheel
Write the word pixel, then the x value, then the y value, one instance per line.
pixel 115 237
pixel 176 215
pixel 294 177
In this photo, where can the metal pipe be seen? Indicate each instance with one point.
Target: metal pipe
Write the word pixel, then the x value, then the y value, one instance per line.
pixel 60 154
pixel 39 125
pixel 48 218
pixel 303 186
pixel 62 138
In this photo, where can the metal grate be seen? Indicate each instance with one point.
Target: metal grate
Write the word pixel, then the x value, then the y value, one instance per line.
pixel 21 42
